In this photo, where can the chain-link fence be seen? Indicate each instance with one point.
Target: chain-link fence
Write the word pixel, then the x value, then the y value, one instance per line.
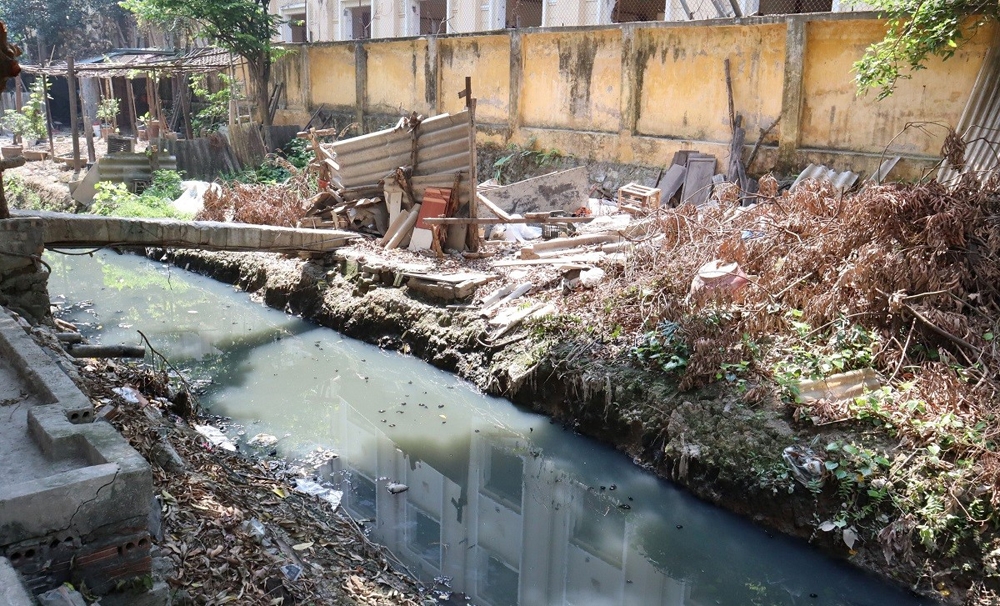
pixel 560 13
pixel 362 19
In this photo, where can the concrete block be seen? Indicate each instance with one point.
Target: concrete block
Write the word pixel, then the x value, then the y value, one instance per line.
pixel 86 496
pixel 12 591
pixel 566 190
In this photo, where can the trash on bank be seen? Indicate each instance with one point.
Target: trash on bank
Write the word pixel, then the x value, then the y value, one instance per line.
pixel 331 496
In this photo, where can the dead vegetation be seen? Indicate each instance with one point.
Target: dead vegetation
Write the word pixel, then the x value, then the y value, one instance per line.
pixel 902 279
pixel 259 203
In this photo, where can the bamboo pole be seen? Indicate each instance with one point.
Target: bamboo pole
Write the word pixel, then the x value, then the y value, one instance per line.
pixel 48 116
pixel 133 110
pixel 74 123
pixel 18 101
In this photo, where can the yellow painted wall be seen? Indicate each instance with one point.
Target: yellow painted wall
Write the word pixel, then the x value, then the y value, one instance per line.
pixel 572 79
pixel 396 77
pixel 573 91
pixel 834 117
pixel 332 75
pixel 683 87
pixel 487 60
pixel 288 69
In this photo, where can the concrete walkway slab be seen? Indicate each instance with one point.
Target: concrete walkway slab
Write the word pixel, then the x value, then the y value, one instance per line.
pixel 65 230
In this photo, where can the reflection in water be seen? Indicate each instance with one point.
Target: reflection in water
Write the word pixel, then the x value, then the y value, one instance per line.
pixel 514 510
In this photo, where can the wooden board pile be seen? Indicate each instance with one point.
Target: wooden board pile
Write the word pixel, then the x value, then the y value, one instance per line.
pixel 390 183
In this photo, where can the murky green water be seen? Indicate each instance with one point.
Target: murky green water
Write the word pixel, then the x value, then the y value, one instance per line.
pixel 513 509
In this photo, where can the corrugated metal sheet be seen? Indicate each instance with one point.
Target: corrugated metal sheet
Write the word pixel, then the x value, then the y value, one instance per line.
pixel 842 181
pixel 204 158
pixel 980 121
pixel 442 146
pixel 128 168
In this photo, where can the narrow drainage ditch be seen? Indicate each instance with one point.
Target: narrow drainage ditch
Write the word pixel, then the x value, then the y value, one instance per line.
pixel 501 505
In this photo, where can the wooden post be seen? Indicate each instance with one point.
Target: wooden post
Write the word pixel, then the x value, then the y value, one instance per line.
pixel 472 236
pixel 88 133
pixel 48 116
pixel 130 101
pixel 18 98
pixel 232 97
pixel 74 122
pixel 185 81
pixel 18 101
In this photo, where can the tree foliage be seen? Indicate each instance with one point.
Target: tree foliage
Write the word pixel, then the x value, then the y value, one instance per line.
pixel 918 29
pixel 66 28
pixel 244 27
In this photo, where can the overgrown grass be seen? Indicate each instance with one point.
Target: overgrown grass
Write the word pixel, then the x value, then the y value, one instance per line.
pixel 114 199
pixel 274 170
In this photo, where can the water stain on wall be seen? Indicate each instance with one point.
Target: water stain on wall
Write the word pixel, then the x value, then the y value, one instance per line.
pixel 576 66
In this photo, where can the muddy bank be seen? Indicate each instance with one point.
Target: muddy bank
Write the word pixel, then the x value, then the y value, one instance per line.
pixel 719 447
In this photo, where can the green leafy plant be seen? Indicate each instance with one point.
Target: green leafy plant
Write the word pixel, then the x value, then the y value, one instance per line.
pixel 815 354
pixel 662 348
pixel 215 112
pixel 918 29
pixel 114 199
pixel 29 123
pixel 107 110
pixel 523 155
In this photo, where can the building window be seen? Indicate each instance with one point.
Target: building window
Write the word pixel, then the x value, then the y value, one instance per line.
pixel 524 13
pixel 425 536
pixel 432 17
pixel 358 22
pixel 505 478
pixel 500 587
pixel 297 28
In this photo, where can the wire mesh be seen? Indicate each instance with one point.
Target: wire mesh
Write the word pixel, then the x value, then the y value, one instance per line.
pixel 362 19
pixel 560 13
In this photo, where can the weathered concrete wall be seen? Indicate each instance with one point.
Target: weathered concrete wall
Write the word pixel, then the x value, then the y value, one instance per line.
pixel 637 93
pixel 834 117
pixel 23 284
pixel 397 80
pixel 74 496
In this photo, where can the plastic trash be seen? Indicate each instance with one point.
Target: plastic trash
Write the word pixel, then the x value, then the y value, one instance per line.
pixel 331 496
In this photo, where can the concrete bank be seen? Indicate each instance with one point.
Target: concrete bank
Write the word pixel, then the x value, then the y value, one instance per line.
pixel 74 496
pixel 718 447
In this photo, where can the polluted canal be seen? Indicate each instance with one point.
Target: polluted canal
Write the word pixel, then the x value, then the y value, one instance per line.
pixel 502 506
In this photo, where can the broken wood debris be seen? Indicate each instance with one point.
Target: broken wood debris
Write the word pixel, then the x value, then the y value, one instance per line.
pixel 636 199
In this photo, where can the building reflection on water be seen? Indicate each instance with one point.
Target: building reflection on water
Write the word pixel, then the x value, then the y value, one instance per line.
pixel 508 528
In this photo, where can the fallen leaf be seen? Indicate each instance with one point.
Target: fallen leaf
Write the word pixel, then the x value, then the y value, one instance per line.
pixel 302 546
pixel 850 537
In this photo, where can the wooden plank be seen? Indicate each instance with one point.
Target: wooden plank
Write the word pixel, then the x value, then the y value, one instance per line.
pixel 671 181
pixel 557 243
pixel 681 157
pixel 498 220
pixel 584 258
pixel 493 208
pixel 405 228
pixel 325 132
pixel 451 278
pixel 698 181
